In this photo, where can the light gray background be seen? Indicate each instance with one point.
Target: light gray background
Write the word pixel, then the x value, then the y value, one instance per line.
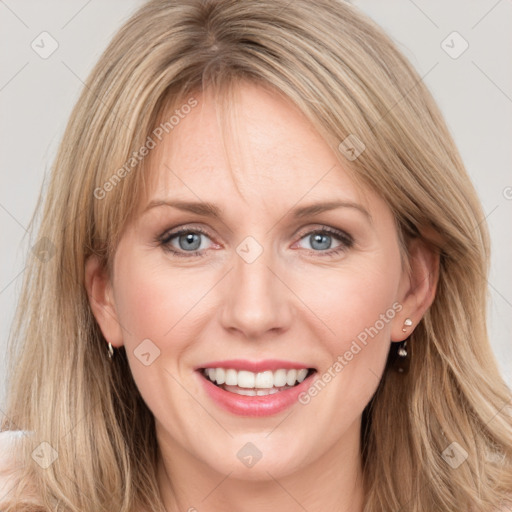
pixel 474 92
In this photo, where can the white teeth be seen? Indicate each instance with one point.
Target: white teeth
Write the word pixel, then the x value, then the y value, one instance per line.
pixel 231 377
pixel 280 378
pixel 266 380
pixel 291 377
pixel 252 392
pixel 246 379
pixel 263 392
pixel 220 375
pixel 247 392
pixel 301 374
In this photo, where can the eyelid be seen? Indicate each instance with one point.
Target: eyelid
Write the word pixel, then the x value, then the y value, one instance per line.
pixel 177 230
pixel 322 228
pixel 172 232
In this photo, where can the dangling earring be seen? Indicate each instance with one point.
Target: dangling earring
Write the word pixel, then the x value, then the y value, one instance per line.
pixel 403 356
pixel 402 349
pixel 110 351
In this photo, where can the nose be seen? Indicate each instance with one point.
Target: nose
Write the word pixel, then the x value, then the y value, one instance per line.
pixel 257 301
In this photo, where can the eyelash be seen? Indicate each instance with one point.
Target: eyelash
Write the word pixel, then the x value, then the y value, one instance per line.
pixel 346 241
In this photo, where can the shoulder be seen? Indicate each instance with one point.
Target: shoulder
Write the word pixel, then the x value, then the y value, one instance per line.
pixel 9 464
pixel 8 442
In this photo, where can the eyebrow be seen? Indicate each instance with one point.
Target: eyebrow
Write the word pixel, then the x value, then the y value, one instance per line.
pixel 207 209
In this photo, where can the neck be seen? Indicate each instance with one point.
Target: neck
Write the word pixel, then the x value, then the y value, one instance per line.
pixel 331 481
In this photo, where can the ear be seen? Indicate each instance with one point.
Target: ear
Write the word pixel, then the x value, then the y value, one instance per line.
pixel 101 299
pixel 417 288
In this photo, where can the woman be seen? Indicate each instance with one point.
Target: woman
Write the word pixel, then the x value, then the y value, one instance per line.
pixel 321 345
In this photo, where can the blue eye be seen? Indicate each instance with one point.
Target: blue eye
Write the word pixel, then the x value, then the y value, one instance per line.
pixel 321 241
pixel 187 242
pixel 190 241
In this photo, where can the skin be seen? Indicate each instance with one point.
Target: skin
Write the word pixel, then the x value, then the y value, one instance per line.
pixel 291 303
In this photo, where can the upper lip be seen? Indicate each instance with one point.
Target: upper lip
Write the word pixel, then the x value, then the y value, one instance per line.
pixel 254 366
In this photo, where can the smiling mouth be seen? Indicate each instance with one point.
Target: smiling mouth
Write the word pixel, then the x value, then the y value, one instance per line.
pixel 242 382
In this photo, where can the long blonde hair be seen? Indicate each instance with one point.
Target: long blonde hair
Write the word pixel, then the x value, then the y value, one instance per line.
pixel 348 78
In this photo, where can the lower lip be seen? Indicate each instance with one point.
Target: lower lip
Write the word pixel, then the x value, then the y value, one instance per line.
pixel 244 405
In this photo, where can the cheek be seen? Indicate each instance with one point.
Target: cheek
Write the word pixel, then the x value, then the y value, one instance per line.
pixel 153 301
pixel 144 304
pixel 356 305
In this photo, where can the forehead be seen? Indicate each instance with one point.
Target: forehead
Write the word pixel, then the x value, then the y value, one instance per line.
pixel 257 148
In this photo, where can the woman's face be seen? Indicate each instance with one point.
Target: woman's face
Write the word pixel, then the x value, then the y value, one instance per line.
pixel 265 284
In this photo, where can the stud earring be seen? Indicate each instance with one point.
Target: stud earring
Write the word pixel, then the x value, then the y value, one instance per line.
pixel 407 323
pixel 110 351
